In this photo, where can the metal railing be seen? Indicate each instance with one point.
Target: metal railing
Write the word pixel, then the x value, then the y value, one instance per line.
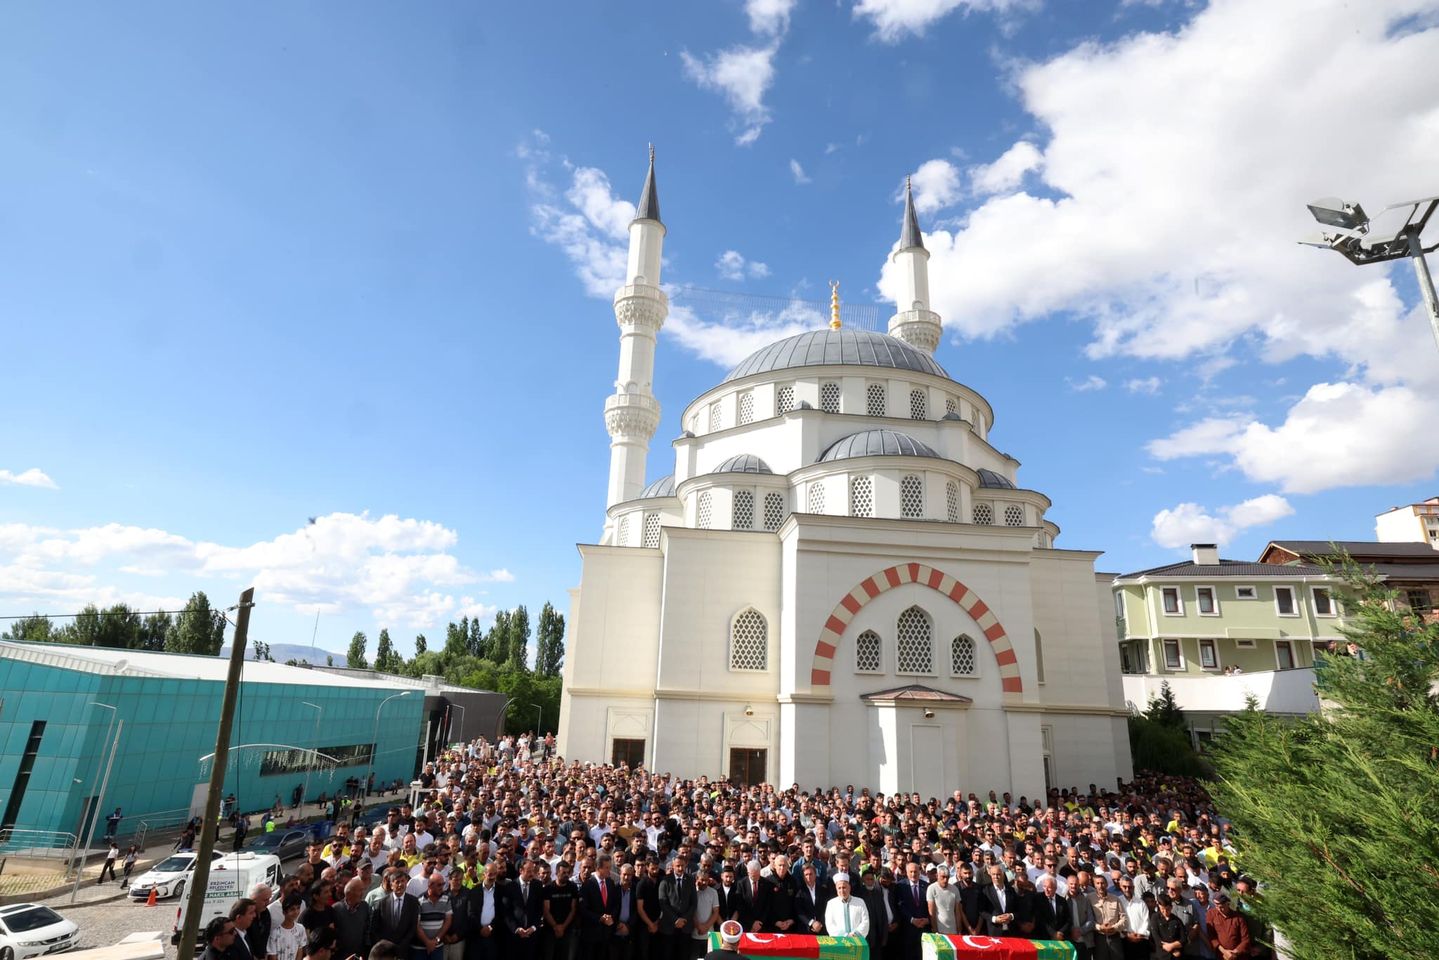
pixel 41 844
pixel 160 820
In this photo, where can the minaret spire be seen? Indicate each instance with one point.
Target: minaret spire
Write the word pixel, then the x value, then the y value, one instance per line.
pixel 913 321
pixel 649 208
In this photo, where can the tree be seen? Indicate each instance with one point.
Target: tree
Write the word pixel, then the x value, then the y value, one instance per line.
pixel 497 640
pixel 355 659
pixel 386 659
pixel 262 651
pixel 155 629
pixel 519 638
pixel 457 638
pixel 198 629
pixel 1337 813
pixel 32 629
pixel 1163 709
pixel 476 639
pixel 550 642
pixel 421 644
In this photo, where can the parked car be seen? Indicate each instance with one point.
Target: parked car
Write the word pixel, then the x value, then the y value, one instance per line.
pixel 280 842
pixel 32 930
pixel 167 878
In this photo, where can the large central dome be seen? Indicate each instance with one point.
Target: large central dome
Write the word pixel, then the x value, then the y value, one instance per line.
pixel 820 348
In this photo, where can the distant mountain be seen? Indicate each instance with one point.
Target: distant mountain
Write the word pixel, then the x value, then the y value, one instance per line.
pixel 304 653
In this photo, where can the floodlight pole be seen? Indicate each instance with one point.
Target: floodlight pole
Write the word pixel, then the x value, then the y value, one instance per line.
pixel 320 712
pixel 1426 282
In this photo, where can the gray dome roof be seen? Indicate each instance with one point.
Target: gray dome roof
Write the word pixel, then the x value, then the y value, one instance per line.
pixel 877 443
pixel 988 478
pixel 952 416
pixel 826 347
pixel 743 463
pixel 663 487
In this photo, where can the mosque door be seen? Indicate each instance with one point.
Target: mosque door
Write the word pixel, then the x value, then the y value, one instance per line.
pixel 746 766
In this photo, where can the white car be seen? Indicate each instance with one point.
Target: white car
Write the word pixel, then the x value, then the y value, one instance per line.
pixel 30 930
pixel 168 878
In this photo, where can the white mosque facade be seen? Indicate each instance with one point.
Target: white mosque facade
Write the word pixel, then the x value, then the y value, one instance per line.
pixel 841 582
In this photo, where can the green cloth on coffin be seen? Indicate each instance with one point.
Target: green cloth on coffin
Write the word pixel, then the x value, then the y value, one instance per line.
pixel 800 946
pixel 942 946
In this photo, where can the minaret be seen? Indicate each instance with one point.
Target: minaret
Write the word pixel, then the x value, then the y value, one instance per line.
pixel 633 413
pixel 913 321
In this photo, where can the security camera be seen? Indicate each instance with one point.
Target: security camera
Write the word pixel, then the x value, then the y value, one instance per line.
pixel 928 714
pixel 749 711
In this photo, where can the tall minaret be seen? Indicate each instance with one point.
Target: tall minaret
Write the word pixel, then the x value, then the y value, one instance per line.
pixel 913 321
pixel 633 413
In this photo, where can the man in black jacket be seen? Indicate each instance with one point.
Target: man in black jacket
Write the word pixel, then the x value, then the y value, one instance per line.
pixel 677 909
pixel 779 912
pixel 599 910
pixel 523 904
pixel 728 892
pixel 647 912
pixel 809 902
pixel 1000 905
pixel 1052 916
pixel 485 916
pixel 752 901
pixel 395 916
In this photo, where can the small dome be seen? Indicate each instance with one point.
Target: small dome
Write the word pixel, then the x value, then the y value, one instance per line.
pixel 743 463
pixel 952 415
pixel 877 443
pixel 663 487
pixel 830 347
pixel 988 478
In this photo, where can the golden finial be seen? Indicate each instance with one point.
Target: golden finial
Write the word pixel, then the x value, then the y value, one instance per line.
pixel 834 304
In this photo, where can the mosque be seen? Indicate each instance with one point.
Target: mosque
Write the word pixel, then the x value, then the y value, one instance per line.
pixel 841 582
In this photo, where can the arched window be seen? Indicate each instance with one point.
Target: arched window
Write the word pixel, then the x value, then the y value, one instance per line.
pixel 746 407
pixel 951 501
pixel 749 642
pixel 914 651
pixel 703 511
pixel 714 416
pixel 983 514
pixel 815 501
pixel 1038 656
pixel 829 397
pixel 1013 516
pixel 867 652
pixel 773 510
pixel 743 510
pixel 622 535
pixel 911 497
pixel 918 405
pixel 874 404
pixel 961 656
pixel 652 530
pixel 861 497
pixel 784 400
pixel 951 405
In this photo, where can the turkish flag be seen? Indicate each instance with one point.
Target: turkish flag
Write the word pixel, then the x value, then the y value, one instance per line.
pixel 939 946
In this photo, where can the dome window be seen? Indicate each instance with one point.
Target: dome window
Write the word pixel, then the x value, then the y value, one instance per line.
pixel 874 404
pixel 715 415
pixel 951 405
pixel 961 656
pixel 951 501
pixel 622 536
pixel 703 511
pixel 784 399
pixel 1014 516
pixel 867 652
pixel 815 502
pixel 746 407
pixel 983 514
pixel 861 497
pixel 652 530
pixel 918 405
pixel 773 510
pixel 911 497
pixel 744 510
pixel 829 397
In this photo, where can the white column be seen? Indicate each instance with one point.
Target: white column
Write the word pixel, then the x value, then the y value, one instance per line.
pixel 632 413
pixel 913 321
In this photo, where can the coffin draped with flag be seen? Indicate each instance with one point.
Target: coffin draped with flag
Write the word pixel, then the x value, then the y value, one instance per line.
pixel 943 946
pixel 797 945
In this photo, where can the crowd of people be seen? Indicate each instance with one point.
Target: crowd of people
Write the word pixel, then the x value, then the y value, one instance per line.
pixel 510 852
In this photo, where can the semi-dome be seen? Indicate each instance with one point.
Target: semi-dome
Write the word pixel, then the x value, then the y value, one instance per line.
pixel 988 478
pixel 828 347
pixel 877 443
pixel 663 487
pixel 743 463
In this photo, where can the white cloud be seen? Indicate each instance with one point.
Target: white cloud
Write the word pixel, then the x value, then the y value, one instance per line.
pixel 936 186
pixel 1149 385
pixel 728 338
pixel 34 477
pixel 590 193
pixel 895 19
pixel 1089 383
pixel 732 265
pixel 797 172
pixel 1189 523
pixel 1007 172
pixel 769 17
pixel 742 74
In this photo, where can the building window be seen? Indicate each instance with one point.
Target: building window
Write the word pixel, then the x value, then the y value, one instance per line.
pixel 961 656
pixel 1206 600
pixel 951 501
pixel 744 509
pixel 1038 656
pixel 951 405
pixel 911 497
pixel 714 416
pixel 1323 602
pixel 1208 655
pixel 1243 644
pixel 1119 606
pixel 652 530
pixel 1418 600
pixel 918 405
pixel 829 397
pixel 867 652
pixel 1173 655
pixel 913 650
pixel 983 514
pixel 622 536
pixel 1283 655
pixel 1173 604
pixel 749 642
pixel 296 760
pixel 784 399
pixel 815 498
pixel 1246 593
pixel 746 407
pixel 874 404
pixel 861 497
pixel 630 753
pixel 1284 602
pixel 773 510
pixel 1013 516
pixel 703 511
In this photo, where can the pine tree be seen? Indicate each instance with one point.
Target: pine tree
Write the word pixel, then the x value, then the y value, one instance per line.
pixel 1164 709
pixel 198 628
pixel 1337 813
pixel 32 629
pixel 550 642
pixel 519 638
pixel 476 639
pixel 497 640
pixel 421 644
pixel 355 659
pixel 156 628
pixel 386 660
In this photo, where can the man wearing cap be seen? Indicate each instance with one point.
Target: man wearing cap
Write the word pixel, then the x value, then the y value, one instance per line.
pixel 845 915
pixel 882 915
pixel 730 933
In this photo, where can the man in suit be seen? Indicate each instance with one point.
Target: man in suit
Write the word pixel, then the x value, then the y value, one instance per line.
pixel 1052 917
pixel 599 910
pixel 752 890
pixel 622 944
pixel 485 917
pixel 779 912
pixel 913 910
pixel 523 903
pixel 999 905
pixel 397 914
pixel 677 910
pixel 809 903
pixel 876 901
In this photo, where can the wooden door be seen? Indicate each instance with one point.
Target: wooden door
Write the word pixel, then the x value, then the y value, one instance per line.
pixel 746 766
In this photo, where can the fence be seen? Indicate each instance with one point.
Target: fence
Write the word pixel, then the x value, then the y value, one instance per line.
pixel 37 844
pixel 158 822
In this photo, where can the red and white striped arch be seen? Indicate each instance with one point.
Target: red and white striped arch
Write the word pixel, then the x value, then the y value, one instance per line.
pixel 925 576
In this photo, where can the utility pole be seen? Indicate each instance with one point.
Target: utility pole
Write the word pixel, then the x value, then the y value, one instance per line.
pixel 210 825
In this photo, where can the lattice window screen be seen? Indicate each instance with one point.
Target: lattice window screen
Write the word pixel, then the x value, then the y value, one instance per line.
pixel 652 530
pixel 861 497
pixel 913 648
pixel 622 535
pixel 815 502
pixel 911 497
pixel 951 405
pixel 703 511
pixel 951 501
pixel 867 652
pixel 746 408
pixel 714 416
pixel 749 642
pixel 961 656
pixel 784 400
pixel 983 514
pixel 773 510
pixel 874 404
pixel 918 405
pixel 829 397
pixel 1013 516
pixel 744 509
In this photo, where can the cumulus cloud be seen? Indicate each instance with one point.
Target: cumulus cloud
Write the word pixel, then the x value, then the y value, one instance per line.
pixel 894 20
pixel 728 337
pixel 1008 171
pixel 797 172
pixel 1088 384
pixel 935 185
pixel 34 477
pixel 1147 385
pixel 769 17
pixel 732 265
pixel 742 75
pixel 1189 523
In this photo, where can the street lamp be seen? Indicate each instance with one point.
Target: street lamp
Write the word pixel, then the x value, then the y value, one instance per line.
pixel 539 715
pixel 375 739
pixel 319 712
pixel 95 780
pixel 1350 235
pixel 455 706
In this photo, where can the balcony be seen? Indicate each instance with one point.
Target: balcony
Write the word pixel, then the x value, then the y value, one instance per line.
pixel 1278 691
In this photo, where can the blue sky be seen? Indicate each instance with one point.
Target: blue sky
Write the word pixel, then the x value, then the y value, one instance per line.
pixel 352 262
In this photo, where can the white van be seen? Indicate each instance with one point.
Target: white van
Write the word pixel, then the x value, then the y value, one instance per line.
pixel 231 878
